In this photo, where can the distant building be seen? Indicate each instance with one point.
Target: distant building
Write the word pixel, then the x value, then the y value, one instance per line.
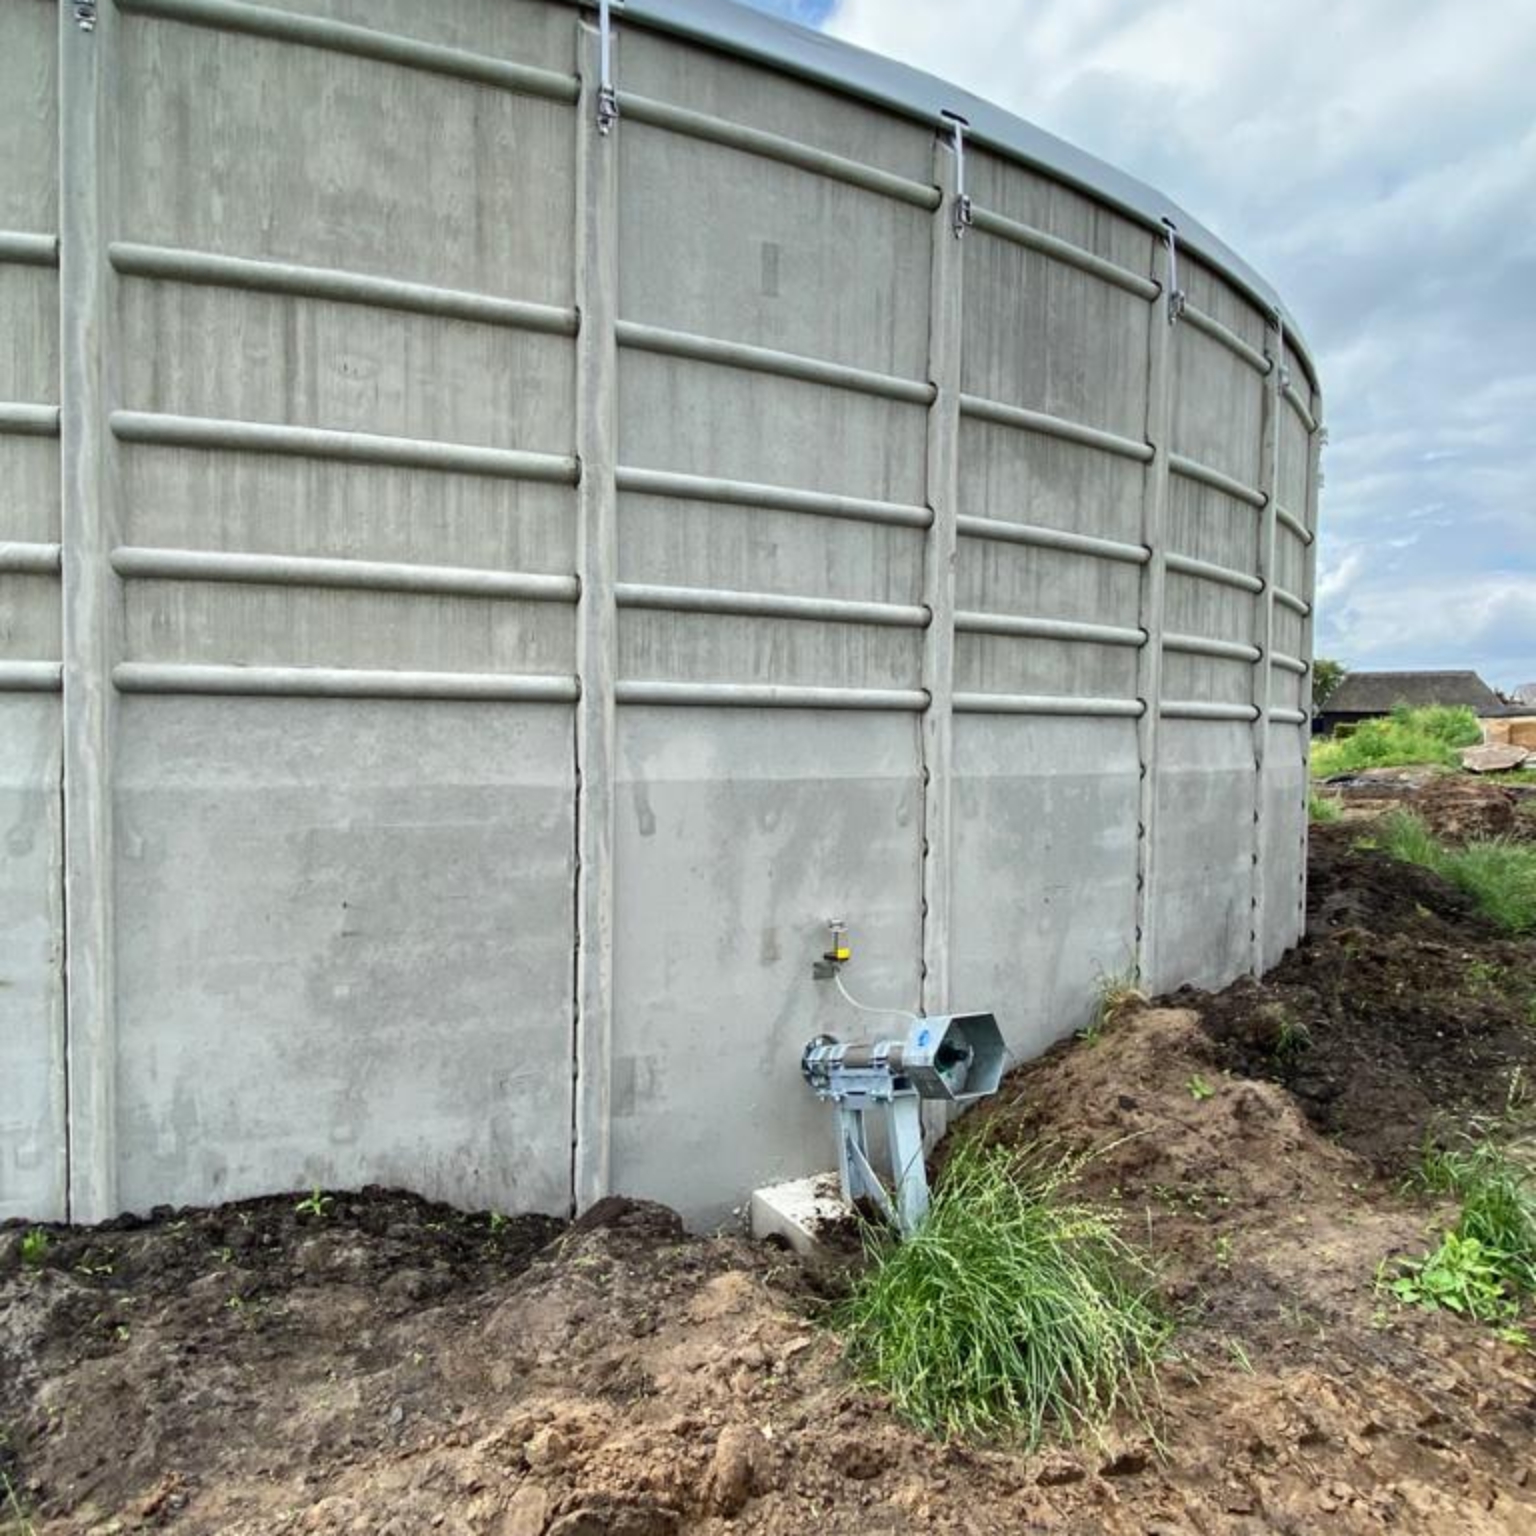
pixel 1367 695
pixel 1524 694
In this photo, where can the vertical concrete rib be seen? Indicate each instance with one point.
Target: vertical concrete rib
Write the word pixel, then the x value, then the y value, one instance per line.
pixel 90 604
pixel 1264 628
pixel 1154 580
pixel 945 324
pixel 596 445
pixel 1315 444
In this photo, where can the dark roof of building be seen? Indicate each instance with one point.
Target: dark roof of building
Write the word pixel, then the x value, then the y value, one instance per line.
pixel 1377 693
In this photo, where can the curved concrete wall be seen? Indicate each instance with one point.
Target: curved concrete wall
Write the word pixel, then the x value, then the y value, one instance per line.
pixel 482 586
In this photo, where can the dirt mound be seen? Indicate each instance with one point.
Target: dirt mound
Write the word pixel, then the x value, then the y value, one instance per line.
pixel 1456 806
pixel 1400 1012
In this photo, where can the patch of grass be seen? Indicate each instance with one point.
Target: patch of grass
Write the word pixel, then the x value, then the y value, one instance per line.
pixel 1115 992
pixel 1405 738
pixel 13 1516
pixel 1499 874
pixel 1323 810
pixel 1015 1311
pixel 1485 1266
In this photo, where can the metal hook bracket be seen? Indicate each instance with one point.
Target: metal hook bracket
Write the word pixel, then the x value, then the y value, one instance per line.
pixel 607 96
pixel 1176 295
pixel 962 214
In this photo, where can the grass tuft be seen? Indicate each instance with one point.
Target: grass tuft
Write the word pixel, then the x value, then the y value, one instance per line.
pixel 1014 1312
pixel 1323 810
pixel 1484 1267
pixel 1407 737
pixel 1499 874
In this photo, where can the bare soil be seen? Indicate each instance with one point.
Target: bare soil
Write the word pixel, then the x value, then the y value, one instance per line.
pixel 387 1366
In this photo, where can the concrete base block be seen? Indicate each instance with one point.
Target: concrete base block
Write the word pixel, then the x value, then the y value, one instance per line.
pixel 799 1210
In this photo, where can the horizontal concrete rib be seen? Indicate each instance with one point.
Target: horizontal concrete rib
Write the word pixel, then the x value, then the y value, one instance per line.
pixel 1291 601
pixel 770 696
pixel 23 559
pixel 773 146
pixel 970 622
pixel 995 411
pixel 361 575
pixel 1200 645
pixel 1064 251
pixel 31 677
pixel 1203 474
pixel 353 447
pixel 21 248
pixel 1203 709
pixel 1297 404
pixel 21 418
pixel 771 498
pixel 770 605
pixel 1046 704
pixel 202 267
pixel 1208 325
pixel 1288 663
pixel 788 365
pixel 1289 716
pixel 1052 538
pixel 1208 570
pixel 361 42
pixel 1293 523
pixel 340 683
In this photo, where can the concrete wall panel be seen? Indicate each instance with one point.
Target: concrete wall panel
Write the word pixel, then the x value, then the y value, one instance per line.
pixel 800 263
pixel 704 419
pixel 750 549
pixel 739 832
pixel 1045 868
pixel 32 1108
pixel 1023 477
pixel 203 351
pixel 263 504
pixel 420 176
pixel 344 949
pixel 1046 336
pixel 1204 876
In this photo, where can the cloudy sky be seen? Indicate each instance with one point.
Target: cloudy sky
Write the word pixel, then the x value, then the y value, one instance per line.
pixel 1376 160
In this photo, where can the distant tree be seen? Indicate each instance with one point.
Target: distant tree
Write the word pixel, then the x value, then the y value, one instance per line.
pixel 1326 677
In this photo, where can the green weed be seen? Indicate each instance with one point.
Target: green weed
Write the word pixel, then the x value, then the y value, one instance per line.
pixel 34 1248
pixel 1460 1276
pixel 1199 1089
pixel 1115 991
pixel 1323 810
pixel 15 1518
pixel 1014 1311
pixel 1499 874
pixel 314 1204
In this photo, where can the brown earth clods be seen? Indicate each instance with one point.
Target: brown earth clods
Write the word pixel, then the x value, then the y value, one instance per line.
pixel 387 1366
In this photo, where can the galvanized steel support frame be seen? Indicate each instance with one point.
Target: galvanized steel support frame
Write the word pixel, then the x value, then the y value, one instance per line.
pixel 597 289
pixel 90 600
pixel 1154 581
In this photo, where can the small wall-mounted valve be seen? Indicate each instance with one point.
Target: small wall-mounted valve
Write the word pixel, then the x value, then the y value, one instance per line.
pixel 838 952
